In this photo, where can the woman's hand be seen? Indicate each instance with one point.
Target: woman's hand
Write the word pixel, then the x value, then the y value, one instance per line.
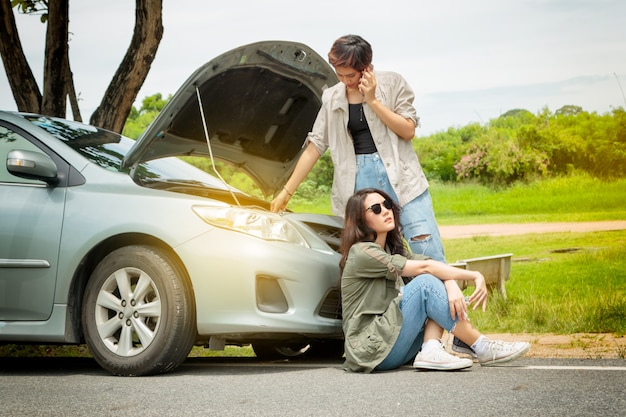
pixel 449 275
pixel 480 294
pixel 304 165
pixel 456 300
pixel 279 203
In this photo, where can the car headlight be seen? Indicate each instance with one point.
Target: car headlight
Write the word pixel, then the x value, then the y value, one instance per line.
pixel 258 223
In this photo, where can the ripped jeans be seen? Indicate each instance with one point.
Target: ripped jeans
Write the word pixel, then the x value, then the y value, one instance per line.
pixel 417 218
pixel 423 298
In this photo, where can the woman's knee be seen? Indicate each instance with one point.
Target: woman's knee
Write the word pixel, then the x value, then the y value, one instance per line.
pixel 429 282
pixel 427 286
pixel 425 281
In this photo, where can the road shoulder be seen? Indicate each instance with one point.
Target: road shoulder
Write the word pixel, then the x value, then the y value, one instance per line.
pixel 562 346
pixel 503 229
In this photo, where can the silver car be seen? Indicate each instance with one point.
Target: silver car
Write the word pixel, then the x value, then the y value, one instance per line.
pixel 123 246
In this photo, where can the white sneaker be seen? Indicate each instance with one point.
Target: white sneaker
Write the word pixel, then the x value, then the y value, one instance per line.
pixel 501 352
pixel 439 359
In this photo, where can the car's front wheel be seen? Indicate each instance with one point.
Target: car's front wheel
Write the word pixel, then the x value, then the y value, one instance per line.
pixel 138 313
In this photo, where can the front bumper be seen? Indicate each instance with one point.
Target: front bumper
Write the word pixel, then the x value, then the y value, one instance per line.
pixel 250 289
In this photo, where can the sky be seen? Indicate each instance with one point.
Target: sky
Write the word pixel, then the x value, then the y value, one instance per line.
pixel 467 61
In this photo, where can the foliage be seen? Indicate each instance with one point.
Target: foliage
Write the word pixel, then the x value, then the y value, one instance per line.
pixel 228 172
pixel 439 152
pixel 32 7
pixel 498 159
pixel 139 119
pixel 521 146
pixel 318 182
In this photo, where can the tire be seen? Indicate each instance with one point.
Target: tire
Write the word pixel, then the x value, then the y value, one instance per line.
pixel 323 349
pixel 138 314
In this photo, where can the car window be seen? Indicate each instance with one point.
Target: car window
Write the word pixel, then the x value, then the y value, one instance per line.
pixel 9 141
pixel 108 149
pixel 101 146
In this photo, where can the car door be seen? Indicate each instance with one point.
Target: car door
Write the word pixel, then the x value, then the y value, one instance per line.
pixel 31 217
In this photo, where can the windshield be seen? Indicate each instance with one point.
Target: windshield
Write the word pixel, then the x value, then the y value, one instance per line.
pixel 107 149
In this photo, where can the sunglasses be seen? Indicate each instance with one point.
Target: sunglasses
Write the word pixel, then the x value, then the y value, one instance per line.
pixel 377 209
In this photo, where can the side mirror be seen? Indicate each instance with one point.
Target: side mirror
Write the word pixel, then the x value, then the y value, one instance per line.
pixel 32 165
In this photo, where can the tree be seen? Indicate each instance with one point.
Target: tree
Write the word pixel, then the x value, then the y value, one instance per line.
pixel 58 86
pixel 569 110
pixel 139 119
pixel 23 85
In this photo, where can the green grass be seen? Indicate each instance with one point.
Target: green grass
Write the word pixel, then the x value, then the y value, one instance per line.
pixel 320 205
pixel 576 198
pixel 229 351
pixel 559 282
pixel 569 199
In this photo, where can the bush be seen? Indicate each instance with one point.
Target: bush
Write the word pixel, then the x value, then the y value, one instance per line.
pixel 520 146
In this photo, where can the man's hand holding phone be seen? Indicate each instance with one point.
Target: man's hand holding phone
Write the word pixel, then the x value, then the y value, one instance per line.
pixel 367 84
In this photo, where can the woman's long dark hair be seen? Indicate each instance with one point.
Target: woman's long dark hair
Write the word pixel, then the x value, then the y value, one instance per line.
pixel 355 228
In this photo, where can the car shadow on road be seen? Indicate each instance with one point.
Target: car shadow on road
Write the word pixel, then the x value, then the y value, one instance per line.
pixel 48 366
pixel 51 366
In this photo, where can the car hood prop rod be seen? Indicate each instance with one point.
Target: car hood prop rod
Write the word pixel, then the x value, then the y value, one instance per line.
pixel 208 142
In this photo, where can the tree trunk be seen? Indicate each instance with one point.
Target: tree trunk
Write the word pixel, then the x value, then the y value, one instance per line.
pixel 55 62
pixel 71 93
pixel 132 72
pixel 23 84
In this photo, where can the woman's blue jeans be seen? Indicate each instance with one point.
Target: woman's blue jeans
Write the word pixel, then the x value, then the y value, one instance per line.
pixel 417 218
pixel 423 298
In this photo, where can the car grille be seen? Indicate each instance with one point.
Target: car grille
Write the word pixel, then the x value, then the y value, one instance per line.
pixel 331 305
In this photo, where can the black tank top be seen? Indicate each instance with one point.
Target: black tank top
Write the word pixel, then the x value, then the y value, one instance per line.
pixel 360 131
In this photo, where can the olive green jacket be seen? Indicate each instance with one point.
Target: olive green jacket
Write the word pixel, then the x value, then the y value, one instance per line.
pixel 370 291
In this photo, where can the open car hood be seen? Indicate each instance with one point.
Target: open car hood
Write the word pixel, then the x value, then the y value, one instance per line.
pixel 259 101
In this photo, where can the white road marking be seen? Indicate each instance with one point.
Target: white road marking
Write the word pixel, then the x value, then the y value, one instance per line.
pixel 575 368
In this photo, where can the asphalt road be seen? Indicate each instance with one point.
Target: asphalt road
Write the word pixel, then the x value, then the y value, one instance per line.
pixel 246 387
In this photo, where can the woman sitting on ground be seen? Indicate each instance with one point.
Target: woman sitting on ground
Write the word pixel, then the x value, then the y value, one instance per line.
pixel 387 322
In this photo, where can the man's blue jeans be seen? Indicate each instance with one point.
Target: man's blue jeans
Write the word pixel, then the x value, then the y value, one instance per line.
pixel 417 217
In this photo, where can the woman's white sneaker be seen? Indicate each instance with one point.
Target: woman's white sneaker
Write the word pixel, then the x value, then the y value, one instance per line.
pixel 501 352
pixel 440 360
